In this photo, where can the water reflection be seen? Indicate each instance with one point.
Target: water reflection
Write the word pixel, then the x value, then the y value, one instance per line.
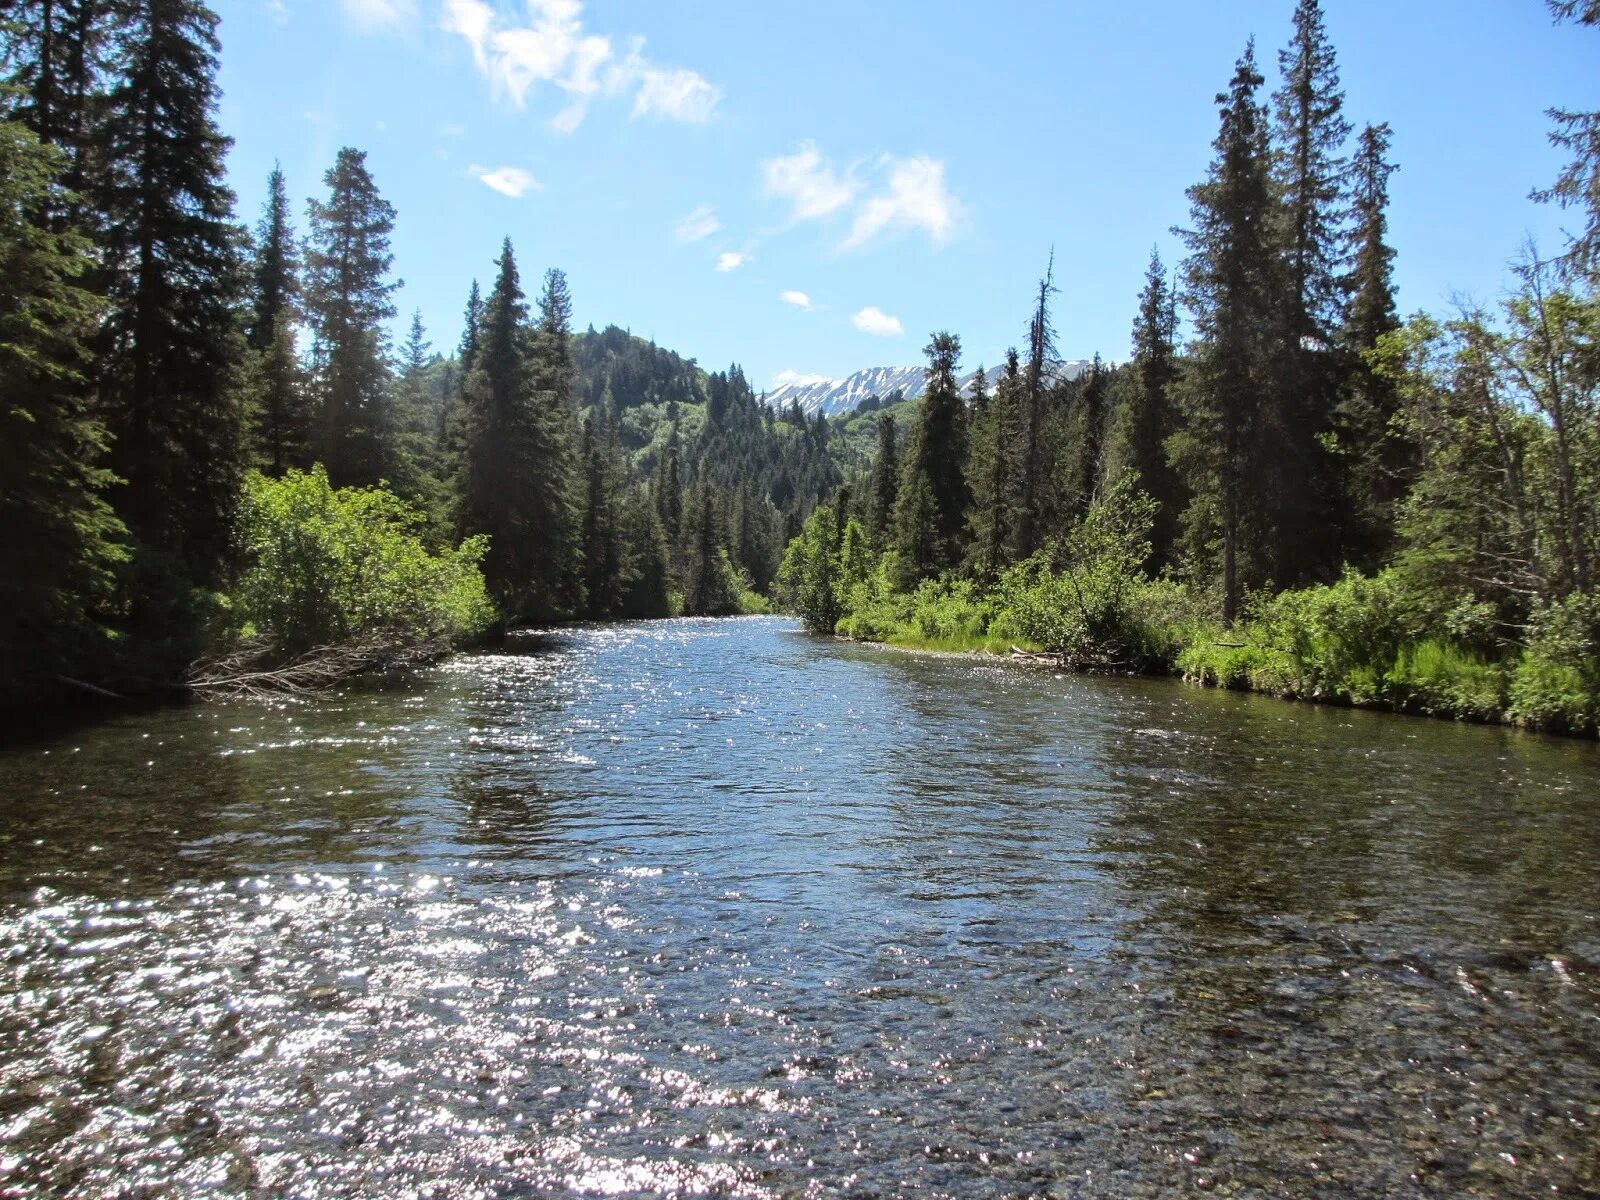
pixel 715 908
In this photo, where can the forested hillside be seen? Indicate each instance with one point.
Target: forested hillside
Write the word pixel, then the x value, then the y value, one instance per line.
pixel 1286 486
pixel 213 448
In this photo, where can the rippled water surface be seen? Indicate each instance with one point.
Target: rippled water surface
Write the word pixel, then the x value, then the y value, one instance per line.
pixel 716 908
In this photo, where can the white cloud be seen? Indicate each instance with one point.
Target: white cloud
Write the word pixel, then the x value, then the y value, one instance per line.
pixel 916 199
pixel 875 321
pixel 799 299
pixel 808 183
pixel 552 47
pixel 278 10
pixel 379 14
pixel 701 223
pixel 675 94
pixel 731 260
pixel 508 181
pixel 791 377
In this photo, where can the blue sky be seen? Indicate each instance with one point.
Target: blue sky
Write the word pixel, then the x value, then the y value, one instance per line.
pixel 863 174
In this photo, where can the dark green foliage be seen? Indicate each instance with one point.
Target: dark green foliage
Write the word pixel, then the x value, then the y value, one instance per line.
pixel 279 404
pixel 1028 504
pixel 171 349
pixel 61 56
pixel 711 586
pixel 516 480
pixel 885 485
pixel 989 472
pixel 347 296
pixel 1379 459
pixel 1088 437
pixel 931 512
pixel 61 540
pixel 1148 417
pixel 1227 451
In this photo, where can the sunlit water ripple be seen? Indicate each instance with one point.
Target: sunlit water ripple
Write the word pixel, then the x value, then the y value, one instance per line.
pixel 714 908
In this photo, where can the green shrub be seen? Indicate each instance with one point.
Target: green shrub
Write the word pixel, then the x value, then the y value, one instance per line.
pixel 1441 679
pixel 1556 685
pixel 325 566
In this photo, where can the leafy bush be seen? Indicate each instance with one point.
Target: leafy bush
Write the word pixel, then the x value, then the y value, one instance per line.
pixel 1086 609
pixel 1556 686
pixel 326 566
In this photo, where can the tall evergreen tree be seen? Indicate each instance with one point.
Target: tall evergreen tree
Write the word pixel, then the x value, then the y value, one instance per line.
pixel 885 483
pixel 990 472
pixel 1381 457
pixel 281 420
pixel 1225 451
pixel 1089 445
pixel 170 383
pixel 1308 168
pixel 516 474
pixel 1148 417
pixel 348 297
pixel 556 368
pixel 1028 503
pixel 59 52
pixel 60 542
pixel 931 511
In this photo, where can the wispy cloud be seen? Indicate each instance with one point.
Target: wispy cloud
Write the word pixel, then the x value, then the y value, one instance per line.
pixel 379 14
pixel 916 198
pixel 553 47
pixel 808 183
pixel 890 195
pixel 799 299
pixel 508 181
pixel 731 260
pixel 278 10
pixel 875 321
pixel 699 224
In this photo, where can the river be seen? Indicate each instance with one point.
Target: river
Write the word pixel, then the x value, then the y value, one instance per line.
pixel 717 908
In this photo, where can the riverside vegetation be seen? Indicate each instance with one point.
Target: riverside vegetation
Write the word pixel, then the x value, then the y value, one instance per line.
pixel 1311 498
pixel 216 467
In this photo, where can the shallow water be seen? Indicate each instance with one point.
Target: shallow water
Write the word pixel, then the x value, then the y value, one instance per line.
pixel 702 907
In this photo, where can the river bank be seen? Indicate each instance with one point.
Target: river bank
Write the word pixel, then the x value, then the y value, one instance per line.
pixel 1428 680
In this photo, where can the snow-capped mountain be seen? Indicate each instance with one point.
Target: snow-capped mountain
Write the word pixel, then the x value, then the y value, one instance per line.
pixel 835 397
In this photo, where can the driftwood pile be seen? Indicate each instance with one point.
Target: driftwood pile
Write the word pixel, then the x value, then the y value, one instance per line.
pixel 260 670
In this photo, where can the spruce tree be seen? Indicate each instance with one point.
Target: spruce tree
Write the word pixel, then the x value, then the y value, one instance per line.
pixel 515 482
pixel 281 419
pixel 931 511
pixel 1028 501
pixel 1225 451
pixel 170 377
pixel 990 473
pixel 885 482
pixel 61 538
pixel 1089 444
pixel 1308 168
pixel 59 52
pixel 347 295
pixel 1382 459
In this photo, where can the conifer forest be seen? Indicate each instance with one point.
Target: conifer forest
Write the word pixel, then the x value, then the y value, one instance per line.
pixel 216 451
pixel 455 744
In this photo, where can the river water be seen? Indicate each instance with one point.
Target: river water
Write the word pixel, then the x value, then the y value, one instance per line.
pixel 713 907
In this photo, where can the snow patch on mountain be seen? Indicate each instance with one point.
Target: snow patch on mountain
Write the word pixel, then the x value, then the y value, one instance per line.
pixel 835 397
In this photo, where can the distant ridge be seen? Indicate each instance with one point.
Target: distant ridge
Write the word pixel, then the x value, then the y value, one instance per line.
pixel 835 397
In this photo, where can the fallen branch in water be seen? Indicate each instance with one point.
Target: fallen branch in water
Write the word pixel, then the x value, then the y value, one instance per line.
pixel 258 669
